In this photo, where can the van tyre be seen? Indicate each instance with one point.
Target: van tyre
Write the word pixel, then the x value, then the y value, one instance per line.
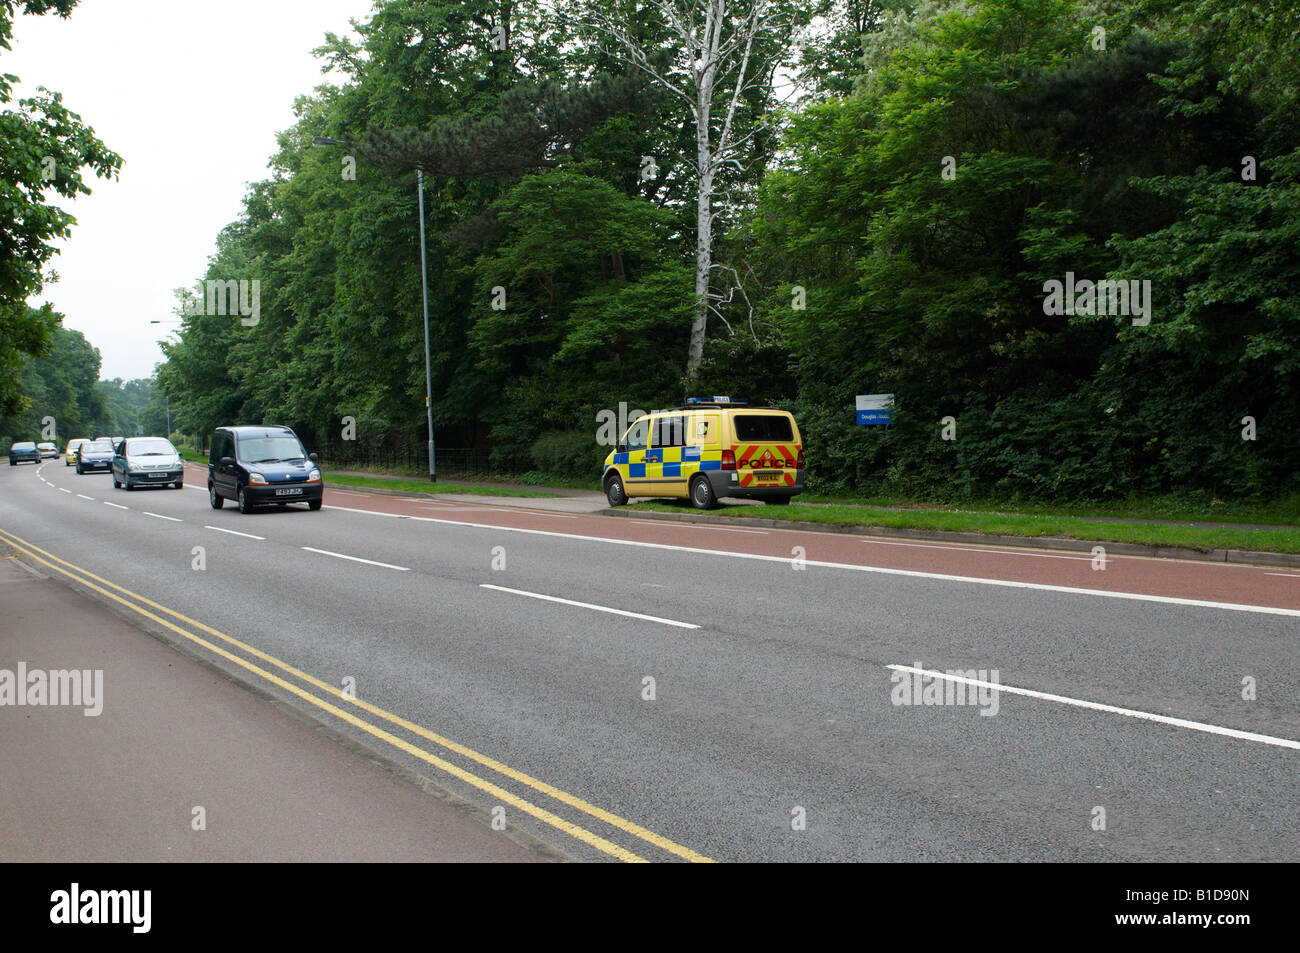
pixel 244 505
pixel 614 491
pixel 214 498
pixel 314 504
pixel 702 495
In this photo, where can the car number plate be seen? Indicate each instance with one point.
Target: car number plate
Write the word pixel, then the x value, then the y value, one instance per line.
pixel 295 490
pixel 157 476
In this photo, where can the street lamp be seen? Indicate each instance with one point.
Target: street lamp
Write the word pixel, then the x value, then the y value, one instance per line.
pixel 167 397
pixel 320 141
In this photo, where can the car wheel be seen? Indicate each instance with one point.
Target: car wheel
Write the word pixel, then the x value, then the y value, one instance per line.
pixel 116 485
pixel 777 501
pixel 126 482
pixel 244 505
pixel 614 491
pixel 702 495
pixel 180 484
pixel 79 472
pixel 314 504
pixel 214 498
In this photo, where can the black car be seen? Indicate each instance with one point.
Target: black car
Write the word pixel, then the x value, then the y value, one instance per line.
pixel 259 466
pixel 24 452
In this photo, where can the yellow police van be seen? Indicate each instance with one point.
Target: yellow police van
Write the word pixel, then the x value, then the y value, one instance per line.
pixel 707 449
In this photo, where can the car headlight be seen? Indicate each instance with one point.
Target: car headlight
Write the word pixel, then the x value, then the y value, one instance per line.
pixel 313 477
pixel 256 478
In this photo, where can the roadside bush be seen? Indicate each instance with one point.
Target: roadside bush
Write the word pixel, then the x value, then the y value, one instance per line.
pixel 568 453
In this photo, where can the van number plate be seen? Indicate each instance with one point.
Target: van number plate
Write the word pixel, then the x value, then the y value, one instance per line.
pixel 292 492
pixel 768 477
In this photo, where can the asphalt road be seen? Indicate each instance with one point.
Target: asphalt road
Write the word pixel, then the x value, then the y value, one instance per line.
pixel 773 732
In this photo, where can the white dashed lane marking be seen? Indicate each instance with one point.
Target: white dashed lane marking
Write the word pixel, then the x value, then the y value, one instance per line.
pixel 235 532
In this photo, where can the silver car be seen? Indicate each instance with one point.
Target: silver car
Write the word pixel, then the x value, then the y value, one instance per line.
pixel 145 461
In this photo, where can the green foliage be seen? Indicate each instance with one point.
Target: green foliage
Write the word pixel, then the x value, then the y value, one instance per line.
pixel 1066 158
pixel 59 384
pixel 568 453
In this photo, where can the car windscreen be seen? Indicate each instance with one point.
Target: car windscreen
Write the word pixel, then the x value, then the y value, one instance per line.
pixel 98 445
pixel 24 446
pixel 156 447
pixel 279 449
pixel 761 428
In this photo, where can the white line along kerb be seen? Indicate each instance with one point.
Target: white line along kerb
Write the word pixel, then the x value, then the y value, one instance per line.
pixel 1098 706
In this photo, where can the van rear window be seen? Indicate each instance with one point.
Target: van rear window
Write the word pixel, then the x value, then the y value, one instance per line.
pixel 767 428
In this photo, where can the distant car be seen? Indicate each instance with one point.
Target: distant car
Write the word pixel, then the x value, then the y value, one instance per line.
pixel 145 461
pixel 24 452
pixel 48 451
pixel 255 466
pixel 70 451
pixel 95 454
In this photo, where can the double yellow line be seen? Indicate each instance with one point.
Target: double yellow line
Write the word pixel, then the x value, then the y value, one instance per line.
pixel 137 603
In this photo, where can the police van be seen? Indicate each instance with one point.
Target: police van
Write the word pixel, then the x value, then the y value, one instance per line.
pixel 707 449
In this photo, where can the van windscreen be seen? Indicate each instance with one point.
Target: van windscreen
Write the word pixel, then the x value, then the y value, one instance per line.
pixel 277 449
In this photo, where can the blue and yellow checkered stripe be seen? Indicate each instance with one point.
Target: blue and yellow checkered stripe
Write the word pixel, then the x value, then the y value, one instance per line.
pixel 677 463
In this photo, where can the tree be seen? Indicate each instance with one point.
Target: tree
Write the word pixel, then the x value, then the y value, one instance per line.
pixel 59 389
pixel 43 148
pixel 717 55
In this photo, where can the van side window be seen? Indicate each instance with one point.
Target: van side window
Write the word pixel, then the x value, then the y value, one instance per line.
pixel 670 431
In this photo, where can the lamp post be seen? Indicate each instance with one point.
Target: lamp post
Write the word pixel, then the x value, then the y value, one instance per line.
pixel 167 397
pixel 321 141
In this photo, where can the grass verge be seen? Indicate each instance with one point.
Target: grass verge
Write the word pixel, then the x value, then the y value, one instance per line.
pixel 424 486
pixel 408 486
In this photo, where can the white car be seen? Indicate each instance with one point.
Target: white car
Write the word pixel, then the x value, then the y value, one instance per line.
pixel 48 450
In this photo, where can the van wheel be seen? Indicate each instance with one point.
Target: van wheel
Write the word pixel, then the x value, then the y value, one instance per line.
pixel 244 505
pixel 614 491
pixel 214 498
pixel 702 495
pixel 314 504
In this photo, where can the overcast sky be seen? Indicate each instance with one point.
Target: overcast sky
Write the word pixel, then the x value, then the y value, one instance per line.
pixel 191 94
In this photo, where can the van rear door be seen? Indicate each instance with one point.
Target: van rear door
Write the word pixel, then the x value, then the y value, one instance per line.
pixel 766 444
